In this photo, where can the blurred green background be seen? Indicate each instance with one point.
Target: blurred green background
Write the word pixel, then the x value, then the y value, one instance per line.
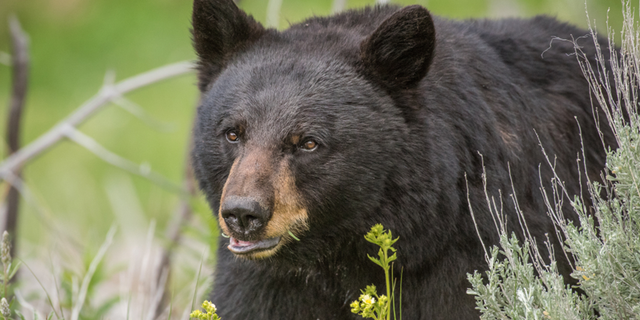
pixel 73 44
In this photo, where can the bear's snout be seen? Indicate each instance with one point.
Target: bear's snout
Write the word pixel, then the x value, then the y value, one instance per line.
pixel 244 215
pixel 260 205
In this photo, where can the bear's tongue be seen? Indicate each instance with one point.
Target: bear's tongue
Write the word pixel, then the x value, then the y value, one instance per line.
pixel 241 246
pixel 239 243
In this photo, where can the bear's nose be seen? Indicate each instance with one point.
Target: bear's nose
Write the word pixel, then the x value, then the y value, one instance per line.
pixel 244 215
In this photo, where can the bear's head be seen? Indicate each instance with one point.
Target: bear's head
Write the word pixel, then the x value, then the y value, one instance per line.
pixel 298 131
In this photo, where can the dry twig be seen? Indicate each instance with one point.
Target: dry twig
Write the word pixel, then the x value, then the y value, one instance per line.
pixel 144 171
pixel 108 93
pixel 338 6
pixel 20 63
pixel 273 13
pixel 173 234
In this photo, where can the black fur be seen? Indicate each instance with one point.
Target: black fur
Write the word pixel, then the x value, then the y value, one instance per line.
pixel 397 55
pixel 401 104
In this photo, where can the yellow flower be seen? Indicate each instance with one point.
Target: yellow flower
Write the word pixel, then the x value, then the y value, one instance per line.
pixel 367 299
pixel 209 307
pixel 196 314
pixel 209 314
pixel 355 306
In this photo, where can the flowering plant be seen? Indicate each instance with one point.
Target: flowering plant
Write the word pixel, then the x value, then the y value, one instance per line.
pixel 370 304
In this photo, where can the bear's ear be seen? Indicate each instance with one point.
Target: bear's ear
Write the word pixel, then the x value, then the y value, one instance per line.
pixel 220 29
pixel 399 52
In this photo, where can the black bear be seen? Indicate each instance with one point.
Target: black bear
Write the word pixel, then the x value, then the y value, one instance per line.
pixel 306 138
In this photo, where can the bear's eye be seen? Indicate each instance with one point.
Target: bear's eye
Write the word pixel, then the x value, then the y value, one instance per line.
pixel 309 145
pixel 232 136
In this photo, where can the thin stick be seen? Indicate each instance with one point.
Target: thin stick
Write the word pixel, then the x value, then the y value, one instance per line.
pixel 106 95
pixel 338 6
pixel 20 63
pixel 122 163
pixel 174 234
pixel 138 112
pixel 273 13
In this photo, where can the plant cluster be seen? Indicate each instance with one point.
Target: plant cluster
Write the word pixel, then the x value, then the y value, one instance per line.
pixel 209 314
pixel 370 304
pixel 9 270
pixel 605 246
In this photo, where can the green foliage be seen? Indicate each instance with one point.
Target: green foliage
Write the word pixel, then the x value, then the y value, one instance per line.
pixel 9 270
pixel 606 244
pixel 512 289
pixel 70 285
pixel 5 309
pixel 293 235
pixel 519 285
pixel 370 304
pixel 385 241
pixel 608 252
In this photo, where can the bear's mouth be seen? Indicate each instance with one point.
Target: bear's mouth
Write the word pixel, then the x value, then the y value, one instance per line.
pixel 243 247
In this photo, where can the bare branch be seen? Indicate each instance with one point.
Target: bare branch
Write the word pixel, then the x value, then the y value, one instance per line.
pixel 20 81
pixel 273 13
pixel 20 62
pixel 137 111
pixel 118 161
pixel 106 95
pixel 338 6
pixel 174 234
pixel 17 183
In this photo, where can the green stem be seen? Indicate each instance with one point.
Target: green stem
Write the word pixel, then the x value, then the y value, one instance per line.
pixel 386 276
